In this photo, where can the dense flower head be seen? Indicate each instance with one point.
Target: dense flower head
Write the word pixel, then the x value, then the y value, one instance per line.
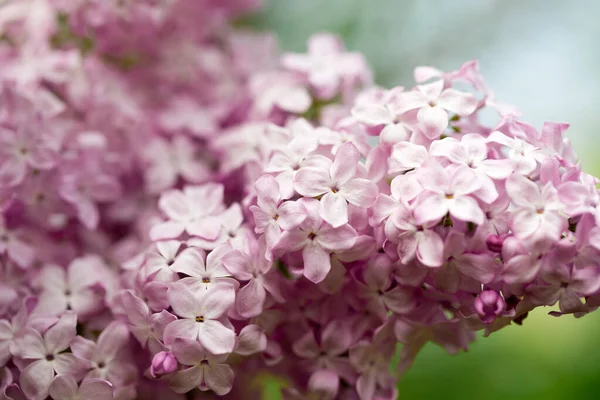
pixel 182 210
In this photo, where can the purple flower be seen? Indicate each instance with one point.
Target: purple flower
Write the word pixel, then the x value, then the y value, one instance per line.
pixel 202 316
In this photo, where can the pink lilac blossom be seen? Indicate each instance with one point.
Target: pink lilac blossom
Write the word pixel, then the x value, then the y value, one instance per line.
pixel 184 210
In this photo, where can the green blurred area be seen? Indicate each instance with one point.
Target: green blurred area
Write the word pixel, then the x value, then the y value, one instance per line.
pixel 536 54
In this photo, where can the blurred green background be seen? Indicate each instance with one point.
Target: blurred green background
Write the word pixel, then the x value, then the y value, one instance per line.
pixel 542 56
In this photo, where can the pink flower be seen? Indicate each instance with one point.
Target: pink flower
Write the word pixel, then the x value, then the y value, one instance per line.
pixel 338 185
pixel 416 240
pixel 326 352
pixel 464 269
pixel 108 357
pixel 167 161
pixel 317 240
pixel 326 66
pixel 232 228
pixel 298 153
pixel 407 156
pixel 146 327
pixel 271 214
pixel 524 156
pixel 159 260
pixel 185 115
pixel 202 316
pixel 251 265
pixel 14 247
pixel 381 294
pixel 472 152
pixel 205 372
pixel 78 288
pixel 448 191
pixel 278 91
pixel 537 216
pixel 46 355
pixel 434 102
pixel 84 189
pixel 193 210
pixel 251 340
pixel 26 147
pixel 370 361
pixel 200 274
pixel 64 387
pixel 567 285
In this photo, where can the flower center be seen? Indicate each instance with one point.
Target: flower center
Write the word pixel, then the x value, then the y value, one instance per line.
pixel 49 357
pixel 312 236
pixel 335 189
pixel 205 280
pixel 200 319
pixel 449 196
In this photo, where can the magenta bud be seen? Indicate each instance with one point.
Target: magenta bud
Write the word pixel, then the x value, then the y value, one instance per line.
pixel 163 363
pixel 489 304
pixel 494 243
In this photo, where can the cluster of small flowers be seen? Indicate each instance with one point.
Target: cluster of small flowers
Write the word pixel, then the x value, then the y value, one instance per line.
pixel 180 208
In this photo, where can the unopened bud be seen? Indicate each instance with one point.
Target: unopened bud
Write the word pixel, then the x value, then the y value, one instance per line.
pixel 163 363
pixel 494 243
pixel 489 304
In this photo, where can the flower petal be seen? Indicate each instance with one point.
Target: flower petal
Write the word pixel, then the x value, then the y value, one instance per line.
pixel 190 262
pixel 60 335
pixel 336 239
pixel 185 304
pixel 430 248
pixel 523 192
pixel 250 299
pixel 219 378
pixel 317 262
pixel 182 328
pixel 291 214
pixel 185 380
pixel 215 337
pixel 251 340
pixel 334 209
pixel 433 121
pixel 267 192
pixel 217 299
pixel 372 114
pixel 36 379
pixel 63 387
pixel 344 164
pixel 112 340
pixel 96 389
pixel 431 209
pixel 461 103
pixel 360 192
pixel 175 205
pixel 466 209
pixel 312 182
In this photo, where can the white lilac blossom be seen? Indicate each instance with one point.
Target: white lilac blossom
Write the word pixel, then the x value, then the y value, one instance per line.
pixel 182 209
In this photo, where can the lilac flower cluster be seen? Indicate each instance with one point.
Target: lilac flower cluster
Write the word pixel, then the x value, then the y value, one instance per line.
pixel 184 210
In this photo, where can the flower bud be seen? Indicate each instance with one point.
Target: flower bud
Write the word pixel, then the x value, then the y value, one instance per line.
pixel 325 383
pixel 163 363
pixel 489 304
pixel 494 243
